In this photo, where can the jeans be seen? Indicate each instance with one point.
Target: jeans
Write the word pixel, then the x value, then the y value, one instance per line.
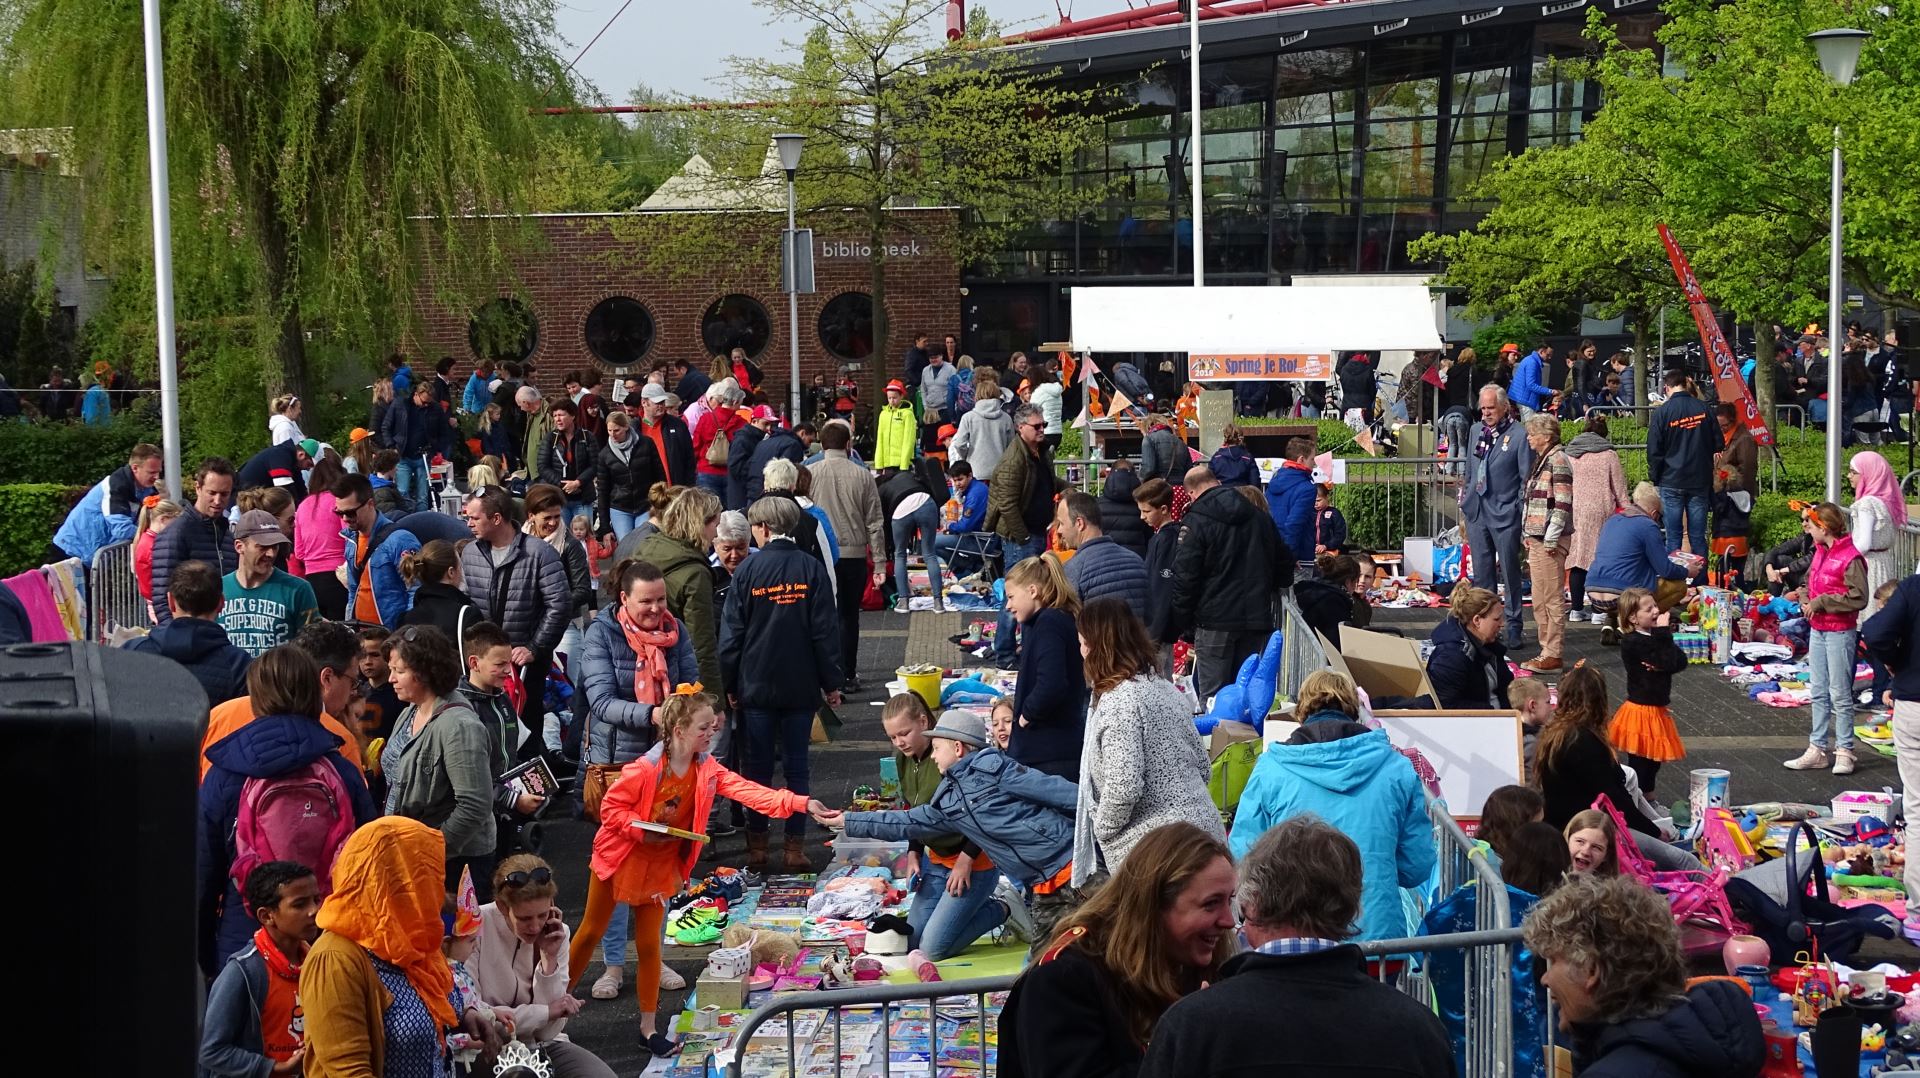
pixel 533 710
pixel 946 544
pixel 715 485
pixel 1666 857
pixel 1217 655
pixel 622 522
pixel 613 946
pixel 1684 513
pixel 410 476
pixel 793 729
pixel 926 521
pixel 849 587
pixel 1576 589
pixel 1830 666
pixel 1499 549
pixel 944 924
pixel 1005 645
pixel 576 509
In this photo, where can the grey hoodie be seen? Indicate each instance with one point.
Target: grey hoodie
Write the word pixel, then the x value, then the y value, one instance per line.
pixel 982 437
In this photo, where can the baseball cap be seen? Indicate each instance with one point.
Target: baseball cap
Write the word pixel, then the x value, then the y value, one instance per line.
pixel 311 446
pixel 358 435
pixel 260 526
pixel 896 384
pixel 761 413
pixel 962 726
pixel 654 393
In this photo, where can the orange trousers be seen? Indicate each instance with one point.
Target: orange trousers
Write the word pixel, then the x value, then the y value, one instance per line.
pixel 647 922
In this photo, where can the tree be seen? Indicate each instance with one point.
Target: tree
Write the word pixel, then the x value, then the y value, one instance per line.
pixel 895 118
pixel 313 149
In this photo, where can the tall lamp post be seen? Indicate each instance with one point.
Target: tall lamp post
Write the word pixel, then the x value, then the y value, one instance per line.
pixel 162 247
pixel 789 146
pixel 1839 51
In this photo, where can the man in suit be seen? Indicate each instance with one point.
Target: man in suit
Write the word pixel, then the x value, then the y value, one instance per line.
pixel 1492 499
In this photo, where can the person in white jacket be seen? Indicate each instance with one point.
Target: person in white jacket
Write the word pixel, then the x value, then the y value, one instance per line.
pixel 284 423
pixel 1141 761
pixel 1048 396
pixel 985 430
pixel 520 964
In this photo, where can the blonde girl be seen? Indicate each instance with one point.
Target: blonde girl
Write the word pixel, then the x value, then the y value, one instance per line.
pixel 284 423
pixel 1593 843
pixel 675 784
pixel 1000 723
pixel 1050 696
pixel 155 514
pixel 1643 726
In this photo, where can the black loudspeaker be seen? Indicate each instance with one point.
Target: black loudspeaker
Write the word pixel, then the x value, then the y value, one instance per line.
pixel 102 747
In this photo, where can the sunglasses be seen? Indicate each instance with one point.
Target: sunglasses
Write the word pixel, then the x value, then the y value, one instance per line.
pixel 540 876
pixel 345 513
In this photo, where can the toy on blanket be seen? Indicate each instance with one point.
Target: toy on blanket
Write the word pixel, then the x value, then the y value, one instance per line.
pixel 766 946
pixel 968 690
pixel 1781 607
pixel 1250 696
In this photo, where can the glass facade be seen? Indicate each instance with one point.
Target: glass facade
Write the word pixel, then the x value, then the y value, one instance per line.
pixel 1327 160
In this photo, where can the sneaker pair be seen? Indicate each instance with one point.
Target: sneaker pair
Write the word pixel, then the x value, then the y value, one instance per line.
pixel 700 923
pixel 1816 759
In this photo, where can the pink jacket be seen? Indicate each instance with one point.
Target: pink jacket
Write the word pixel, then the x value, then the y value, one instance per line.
pixel 509 975
pixel 317 544
pixel 632 795
pixel 1827 580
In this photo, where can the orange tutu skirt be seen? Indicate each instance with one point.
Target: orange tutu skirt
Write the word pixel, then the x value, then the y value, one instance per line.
pixel 1646 730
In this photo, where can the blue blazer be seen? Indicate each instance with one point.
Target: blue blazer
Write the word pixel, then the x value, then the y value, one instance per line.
pixel 1495 493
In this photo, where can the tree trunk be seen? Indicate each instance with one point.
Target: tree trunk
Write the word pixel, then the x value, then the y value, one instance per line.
pixel 1640 321
pixel 877 269
pixel 289 371
pixel 1763 388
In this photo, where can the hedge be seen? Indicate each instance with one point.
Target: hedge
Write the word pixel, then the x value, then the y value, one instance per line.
pixel 70 454
pixel 29 515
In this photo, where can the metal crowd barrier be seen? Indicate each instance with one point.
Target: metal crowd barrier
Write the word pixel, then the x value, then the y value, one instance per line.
pixel 1301 652
pixel 113 595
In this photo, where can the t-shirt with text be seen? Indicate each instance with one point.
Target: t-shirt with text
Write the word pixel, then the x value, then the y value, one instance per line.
pixel 269 615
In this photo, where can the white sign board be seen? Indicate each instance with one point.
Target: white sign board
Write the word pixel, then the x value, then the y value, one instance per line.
pixel 1473 752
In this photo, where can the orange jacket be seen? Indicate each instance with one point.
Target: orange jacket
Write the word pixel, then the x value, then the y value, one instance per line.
pixel 631 796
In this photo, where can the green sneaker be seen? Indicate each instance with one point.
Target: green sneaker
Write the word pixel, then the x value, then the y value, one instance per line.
pixel 702 933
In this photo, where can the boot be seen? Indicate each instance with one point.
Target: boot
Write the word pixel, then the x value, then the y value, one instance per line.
pixel 757 850
pixel 796 855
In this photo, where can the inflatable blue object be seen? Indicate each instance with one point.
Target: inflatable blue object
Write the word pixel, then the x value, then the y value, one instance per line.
pixel 968 690
pixel 1249 697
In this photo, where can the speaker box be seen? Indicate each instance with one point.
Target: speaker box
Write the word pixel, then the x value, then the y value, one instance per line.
pixel 103 748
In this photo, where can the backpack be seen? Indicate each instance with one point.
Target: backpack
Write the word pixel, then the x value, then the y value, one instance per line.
pixel 718 449
pixel 959 395
pixel 302 816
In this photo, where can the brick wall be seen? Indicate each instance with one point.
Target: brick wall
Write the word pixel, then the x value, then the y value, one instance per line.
pixel 679 264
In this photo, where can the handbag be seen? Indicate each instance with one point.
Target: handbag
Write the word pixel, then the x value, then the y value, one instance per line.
pixel 717 449
pixel 1773 899
pixel 594 786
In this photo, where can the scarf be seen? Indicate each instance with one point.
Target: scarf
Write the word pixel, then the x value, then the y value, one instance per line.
pixel 651 684
pixel 1489 434
pixel 388 886
pixel 558 540
pixel 280 1017
pixel 1587 442
pixel 623 450
pixel 1876 479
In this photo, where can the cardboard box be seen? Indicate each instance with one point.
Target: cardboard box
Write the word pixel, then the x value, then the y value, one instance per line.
pixel 1227 733
pixel 1380 663
pixel 726 993
pixel 1430 560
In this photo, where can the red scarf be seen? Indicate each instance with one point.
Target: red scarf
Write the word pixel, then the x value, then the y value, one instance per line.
pixel 282 1023
pixel 651 682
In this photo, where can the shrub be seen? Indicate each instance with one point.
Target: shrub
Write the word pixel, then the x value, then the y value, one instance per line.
pixel 70 454
pixel 29 515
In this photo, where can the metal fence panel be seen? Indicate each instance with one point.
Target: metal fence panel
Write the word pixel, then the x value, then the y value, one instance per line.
pixel 113 595
pixel 1301 652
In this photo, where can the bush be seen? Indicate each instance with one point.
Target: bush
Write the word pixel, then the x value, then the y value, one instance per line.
pixel 29 515
pixel 70 454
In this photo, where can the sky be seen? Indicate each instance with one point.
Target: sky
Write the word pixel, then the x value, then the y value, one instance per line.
pixel 681 46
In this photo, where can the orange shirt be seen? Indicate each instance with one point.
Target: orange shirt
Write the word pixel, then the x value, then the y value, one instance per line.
pixel 232 715
pixel 364 608
pixel 657 434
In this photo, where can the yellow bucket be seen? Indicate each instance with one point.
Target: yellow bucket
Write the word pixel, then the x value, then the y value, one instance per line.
pixel 925 686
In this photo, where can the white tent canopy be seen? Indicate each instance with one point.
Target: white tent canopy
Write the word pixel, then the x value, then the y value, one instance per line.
pixel 1254 319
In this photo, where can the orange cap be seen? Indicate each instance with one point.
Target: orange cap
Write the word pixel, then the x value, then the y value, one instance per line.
pixel 1509 347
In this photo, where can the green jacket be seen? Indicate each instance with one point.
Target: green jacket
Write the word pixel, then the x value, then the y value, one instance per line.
pixel 539 425
pixel 444 778
pixel 690 599
pixel 1011 486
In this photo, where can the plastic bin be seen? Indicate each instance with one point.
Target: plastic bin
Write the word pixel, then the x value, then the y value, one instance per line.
pixel 925 686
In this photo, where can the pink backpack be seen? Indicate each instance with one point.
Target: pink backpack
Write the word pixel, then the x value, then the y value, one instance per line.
pixel 302 816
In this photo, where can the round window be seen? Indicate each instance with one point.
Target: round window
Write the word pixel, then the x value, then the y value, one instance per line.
pixel 846 326
pixel 503 330
pixel 736 321
pixel 619 331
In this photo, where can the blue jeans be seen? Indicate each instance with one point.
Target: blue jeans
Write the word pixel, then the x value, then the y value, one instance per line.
pixel 622 522
pixel 715 485
pixel 1685 511
pixel 792 730
pixel 1005 646
pixel 944 544
pixel 576 509
pixel 613 946
pixel 1830 666
pixel 926 521
pixel 944 924
pixel 410 476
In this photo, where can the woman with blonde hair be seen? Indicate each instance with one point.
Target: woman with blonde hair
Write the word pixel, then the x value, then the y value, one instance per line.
pixel 284 424
pixel 1050 697
pixel 155 514
pixel 1468 666
pixel 1327 695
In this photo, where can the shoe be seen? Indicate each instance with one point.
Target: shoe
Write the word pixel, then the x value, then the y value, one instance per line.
pixel 1843 761
pixel 939 606
pixel 1610 636
pixel 1575 617
pixel 1910 928
pixel 1019 922
pixel 795 856
pixel 700 934
pixel 659 1045
pixel 899 606
pixel 1515 640
pixel 756 850
pixel 719 828
pixel 671 981
pixel 1545 664
pixel 1599 618
pixel 852 684
pixel 1814 759
pixel 752 879
pixel 707 911
pixel 608 986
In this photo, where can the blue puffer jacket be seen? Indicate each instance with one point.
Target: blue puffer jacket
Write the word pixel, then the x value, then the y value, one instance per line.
pixel 619 728
pixel 1021 817
pixel 1290 502
pixel 1632 553
pixel 191 537
pixel 1362 786
pixel 1235 467
pixel 268 746
pixel 102 517
pixel 202 647
pixel 392 597
pixel 1447 970
pixel 1103 569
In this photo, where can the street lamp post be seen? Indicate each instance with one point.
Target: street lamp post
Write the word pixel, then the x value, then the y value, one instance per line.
pixel 1839 51
pixel 789 146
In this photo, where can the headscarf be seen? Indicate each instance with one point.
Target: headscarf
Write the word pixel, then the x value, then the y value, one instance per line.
pixel 388 886
pixel 651 683
pixel 1874 476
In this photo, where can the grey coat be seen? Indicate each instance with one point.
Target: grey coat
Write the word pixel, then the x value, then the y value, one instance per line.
pixel 443 777
pixel 619 728
pixel 1495 492
pixel 537 602
pixel 1164 456
pixel 1141 765
pixel 230 1042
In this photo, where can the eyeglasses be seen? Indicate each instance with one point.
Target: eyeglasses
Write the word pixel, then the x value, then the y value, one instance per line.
pixel 541 876
pixel 347 512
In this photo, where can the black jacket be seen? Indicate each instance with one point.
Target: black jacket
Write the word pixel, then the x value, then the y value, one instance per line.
pixel 623 484
pixel 274 466
pixel 779 442
pixel 1712 1033
pixel 1367 1027
pixel 1583 771
pixel 191 537
pixel 1325 607
pixel 439 605
pixel 1160 550
pixel 693 385
pixel 1890 635
pixel 1063 1020
pixel 202 647
pixel 1682 438
pixel 739 457
pixel 679 441
pixel 1050 697
pixel 1357 384
pixel 1465 672
pixel 1120 514
pixel 780 597
pixel 569 456
pixel 1651 660
pixel 1230 562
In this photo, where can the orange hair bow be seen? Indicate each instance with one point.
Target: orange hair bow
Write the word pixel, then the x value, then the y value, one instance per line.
pixel 687 689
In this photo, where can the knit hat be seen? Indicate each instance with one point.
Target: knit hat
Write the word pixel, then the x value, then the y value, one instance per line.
pixel 962 726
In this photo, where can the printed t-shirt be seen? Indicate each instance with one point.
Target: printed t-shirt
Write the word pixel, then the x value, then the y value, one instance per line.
pixel 268 614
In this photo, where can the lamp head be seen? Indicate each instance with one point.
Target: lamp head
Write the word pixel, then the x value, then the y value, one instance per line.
pixel 789 149
pixel 1839 51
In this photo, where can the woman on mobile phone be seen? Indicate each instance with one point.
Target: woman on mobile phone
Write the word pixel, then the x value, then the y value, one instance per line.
pixel 520 964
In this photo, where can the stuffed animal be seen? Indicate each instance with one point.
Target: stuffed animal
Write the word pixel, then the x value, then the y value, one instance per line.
pixel 1781 607
pixel 770 948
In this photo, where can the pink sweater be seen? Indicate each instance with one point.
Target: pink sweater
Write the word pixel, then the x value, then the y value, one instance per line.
pixel 317 545
pixel 509 975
